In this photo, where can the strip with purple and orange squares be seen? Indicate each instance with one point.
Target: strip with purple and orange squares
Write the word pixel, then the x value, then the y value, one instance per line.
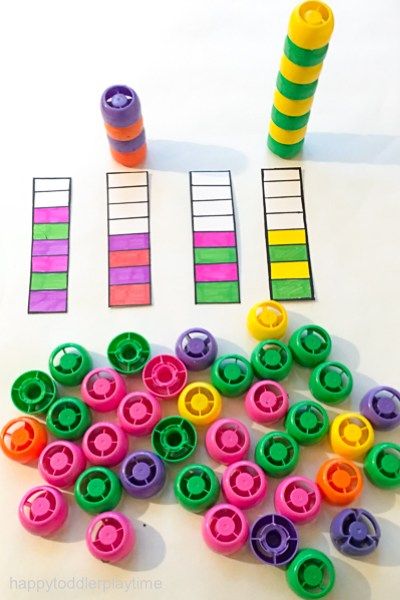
pixel 215 255
pixel 51 207
pixel 129 265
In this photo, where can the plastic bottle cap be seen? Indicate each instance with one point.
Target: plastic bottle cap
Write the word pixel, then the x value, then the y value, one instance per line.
pixel 165 376
pixel 227 441
pixel 97 489
pixel 381 406
pixel 128 353
pixel 340 481
pixel 232 374
pixel 196 487
pixel 68 418
pixel 110 536
pixel 103 389
pixel 266 402
pixel 138 413
pixel 351 435
pixel 310 345
pixel 382 465
pixel 120 106
pixel 196 348
pixel 298 499
pixel 61 462
pixel 331 382
pixel 174 439
pixel 274 539
pixel 69 363
pixel 225 529
pixel 142 474
pixel 105 444
pixel 244 484
pixel 272 359
pixel 200 403
pixel 311 574
pixel 307 422
pixel 311 25
pixel 277 453
pixel 33 392
pixel 43 510
pixel 23 439
pixel 355 532
pixel 267 320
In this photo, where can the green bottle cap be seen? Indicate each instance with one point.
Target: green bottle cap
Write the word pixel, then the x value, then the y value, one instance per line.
pixel 287 122
pixel 33 392
pixel 232 374
pixel 382 465
pixel 307 422
pixel 295 91
pixel 174 439
pixel 284 150
pixel 97 490
pixel 277 453
pixel 196 487
pixel 69 363
pixel 331 382
pixel 272 359
pixel 310 345
pixel 128 353
pixel 303 57
pixel 311 574
pixel 68 418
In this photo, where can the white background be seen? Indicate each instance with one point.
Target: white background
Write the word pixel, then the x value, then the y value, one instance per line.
pixel 205 74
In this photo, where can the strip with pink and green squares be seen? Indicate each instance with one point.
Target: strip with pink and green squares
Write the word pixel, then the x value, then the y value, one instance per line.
pixel 48 287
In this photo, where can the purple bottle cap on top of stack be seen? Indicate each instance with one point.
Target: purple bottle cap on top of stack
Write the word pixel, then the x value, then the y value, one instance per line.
pixel 120 106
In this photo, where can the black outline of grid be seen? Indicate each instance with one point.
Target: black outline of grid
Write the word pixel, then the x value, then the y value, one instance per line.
pixel 233 214
pixel 114 187
pixel 34 192
pixel 300 180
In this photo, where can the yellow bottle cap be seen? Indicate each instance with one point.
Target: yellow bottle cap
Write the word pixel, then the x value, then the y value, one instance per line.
pixel 292 108
pixel 286 136
pixel 267 320
pixel 351 435
pixel 298 74
pixel 200 403
pixel 311 25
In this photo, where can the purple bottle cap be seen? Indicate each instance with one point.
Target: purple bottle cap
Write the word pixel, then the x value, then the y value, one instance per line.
pixel 142 474
pixel 130 145
pixel 354 531
pixel 381 406
pixel 274 539
pixel 197 348
pixel 120 106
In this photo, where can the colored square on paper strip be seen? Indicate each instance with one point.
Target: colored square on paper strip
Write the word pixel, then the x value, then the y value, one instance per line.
pixel 290 270
pixel 49 264
pixel 205 239
pixel 288 253
pixel 48 301
pixel 133 241
pixel 216 272
pixel 129 258
pixel 123 275
pixel 52 231
pixel 49 281
pixel 291 289
pixel 59 214
pixel 130 295
pixel 49 247
pixel 215 255
pixel 287 236
pixel 218 292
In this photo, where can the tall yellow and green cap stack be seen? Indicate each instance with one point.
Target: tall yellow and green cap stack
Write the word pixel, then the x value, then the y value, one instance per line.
pixel 310 28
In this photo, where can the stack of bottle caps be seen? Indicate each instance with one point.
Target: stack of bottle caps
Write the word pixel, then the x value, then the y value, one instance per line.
pixel 310 28
pixel 120 107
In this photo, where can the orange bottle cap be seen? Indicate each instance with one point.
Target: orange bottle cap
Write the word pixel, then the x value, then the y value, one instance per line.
pixel 23 439
pixel 340 481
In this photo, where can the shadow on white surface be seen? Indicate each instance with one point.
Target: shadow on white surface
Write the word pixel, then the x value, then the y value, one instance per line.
pixel 150 549
pixel 354 148
pixel 176 156
pixel 345 576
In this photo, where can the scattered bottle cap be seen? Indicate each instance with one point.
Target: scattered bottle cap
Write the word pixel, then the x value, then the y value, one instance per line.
pixel 227 441
pixel 274 539
pixel 61 462
pixel 266 402
pixel 340 481
pixel 382 465
pixel 307 422
pixel 272 359
pixel 68 418
pixel 69 363
pixel 105 444
pixel 244 484
pixel 381 406
pixel 351 435
pixel 200 403
pixel 311 574
pixel 196 348
pixel 232 374
pixel 165 376
pixel 97 490
pixel 267 320
pixel 355 532
pixel 33 392
pixel 277 453
pixel 128 353
pixel 310 345
pixel 196 487
pixel 23 439
pixel 174 439
pixel 43 510
pixel 110 536
pixel 103 389
pixel 138 413
pixel 142 474
pixel 225 529
pixel 331 382
pixel 298 499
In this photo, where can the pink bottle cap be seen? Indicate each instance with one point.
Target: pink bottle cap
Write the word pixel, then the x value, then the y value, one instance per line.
pixel 225 528
pixel 266 402
pixel 110 536
pixel 244 484
pixel 61 462
pixel 298 499
pixel 165 376
pixel 138 413
pixel 227 441
pixel 103 389
pixel 105 444
pixel 43 510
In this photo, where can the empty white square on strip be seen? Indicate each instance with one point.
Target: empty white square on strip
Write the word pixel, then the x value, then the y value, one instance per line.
pixel 127 194
pixel 127 178
pixel 210 178
pixel 129 226
pixel 45 185
pixel 281 174
pixel 282 188
pixel 50 199
pixel 213 224
pixel 124 211
pixel 211 192
pixel 273 205
pixel 212 207
pixel 285 221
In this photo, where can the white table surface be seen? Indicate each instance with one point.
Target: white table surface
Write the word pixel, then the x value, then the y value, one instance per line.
pixel 205 73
